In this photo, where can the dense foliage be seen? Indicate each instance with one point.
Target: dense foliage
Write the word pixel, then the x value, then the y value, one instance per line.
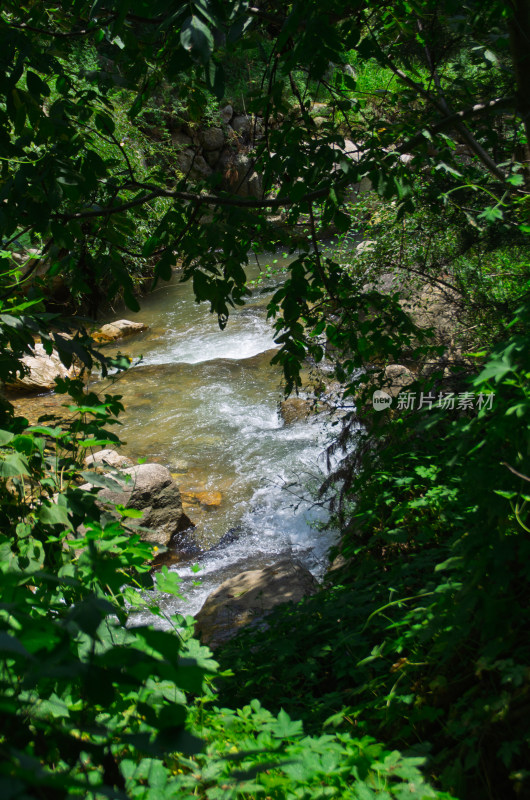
pixel 420 638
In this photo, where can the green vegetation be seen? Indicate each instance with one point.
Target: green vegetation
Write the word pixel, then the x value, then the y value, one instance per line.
pixel 408 674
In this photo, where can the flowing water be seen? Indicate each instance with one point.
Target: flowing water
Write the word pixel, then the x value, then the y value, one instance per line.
pixel 205 403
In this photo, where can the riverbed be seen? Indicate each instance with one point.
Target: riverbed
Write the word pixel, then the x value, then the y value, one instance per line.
pixel 205 403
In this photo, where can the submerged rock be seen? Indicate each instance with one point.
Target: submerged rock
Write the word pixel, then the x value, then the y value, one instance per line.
pixel 248 597
pixel 209 499
pixel 118 329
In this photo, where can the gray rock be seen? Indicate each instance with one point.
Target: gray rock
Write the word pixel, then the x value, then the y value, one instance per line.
pixel 200 169
pixel 190 163
pixel 212 157
pixel 108 458
pixel 242 125
pixel 181 140
pixel 151 489
pixel 248 597
pixel 226 114
pixel 237 168
pixel 184 160
pixel 255 186
pixel 320 109
pixel 350 149
pixel 212 139
pixel 396 377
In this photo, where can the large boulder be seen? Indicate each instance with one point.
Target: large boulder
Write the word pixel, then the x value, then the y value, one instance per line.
pixel 151 489
pixel 212 138
pixel 248 597
pixel 118 330
pixel 193 165
pixel 294 409
pixel 212 158
pixel 226 114
pixel 239 175
pixel 242 125
pixel 181 140
pixel 42 371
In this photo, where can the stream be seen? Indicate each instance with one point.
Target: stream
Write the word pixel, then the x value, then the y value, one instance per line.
pixel 205 403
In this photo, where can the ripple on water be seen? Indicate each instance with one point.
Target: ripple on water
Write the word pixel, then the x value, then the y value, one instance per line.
pixel 209 399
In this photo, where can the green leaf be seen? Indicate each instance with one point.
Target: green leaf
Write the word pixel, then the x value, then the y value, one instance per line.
pixel 286 728
pixel 54 707
pixel 104 123
pixel 215 78
pixel 13 464
pixel 197 38
pixel 134 513
pixel 130 300
pixel 491 213
pixel 168 582
pixel 36 86
pixel 5 437
pixel 54 514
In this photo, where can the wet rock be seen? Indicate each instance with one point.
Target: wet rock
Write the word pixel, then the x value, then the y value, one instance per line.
pixel 248 597
pixel 212 138
pixel 42 371
pixel 108 458
pixel 151 489
pixel 118 330
pixel 229 537
pixel 208 499
pixel 294 409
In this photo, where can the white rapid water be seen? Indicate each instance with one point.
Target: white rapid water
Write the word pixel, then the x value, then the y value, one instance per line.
pixel 205 403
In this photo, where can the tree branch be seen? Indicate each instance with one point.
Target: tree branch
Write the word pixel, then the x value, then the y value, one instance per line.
pixel 444 109
pixel 478 110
